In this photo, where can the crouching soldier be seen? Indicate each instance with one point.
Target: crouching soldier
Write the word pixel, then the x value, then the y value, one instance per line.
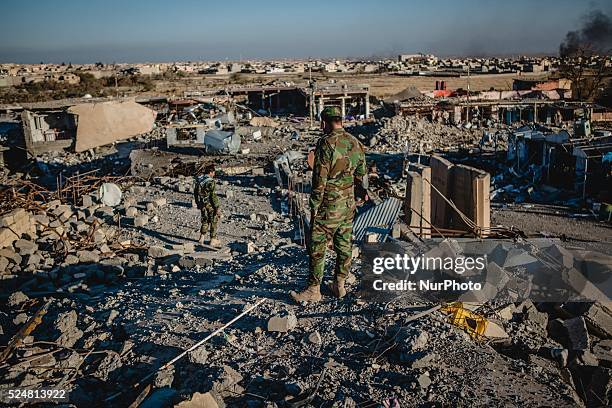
pixel 208 203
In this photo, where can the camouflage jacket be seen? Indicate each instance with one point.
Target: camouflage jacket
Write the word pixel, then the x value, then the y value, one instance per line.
pixel 205 195
pixel 339 162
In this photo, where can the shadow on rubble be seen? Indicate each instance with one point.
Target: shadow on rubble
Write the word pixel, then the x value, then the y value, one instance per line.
pixel 366 129
pixel 164 237
pixel 253 181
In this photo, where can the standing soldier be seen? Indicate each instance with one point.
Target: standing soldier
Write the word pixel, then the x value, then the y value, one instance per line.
pixel 339 163
pixel 208 203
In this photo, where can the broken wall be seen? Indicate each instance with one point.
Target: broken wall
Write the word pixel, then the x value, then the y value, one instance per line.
pixel 470 192
pixel 466 187
pixel 47 131
pixel 417 205
pixel 107 122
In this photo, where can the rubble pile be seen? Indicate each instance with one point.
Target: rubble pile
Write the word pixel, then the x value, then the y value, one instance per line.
pixel 105 282
pixel 401 134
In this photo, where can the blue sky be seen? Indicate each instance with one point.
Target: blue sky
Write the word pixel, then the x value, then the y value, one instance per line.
pixel 130 31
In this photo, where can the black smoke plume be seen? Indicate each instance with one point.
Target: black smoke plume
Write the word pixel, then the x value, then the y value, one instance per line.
pixel 594 37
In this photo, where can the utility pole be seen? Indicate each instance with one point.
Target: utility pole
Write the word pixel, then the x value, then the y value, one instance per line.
pixel 468 95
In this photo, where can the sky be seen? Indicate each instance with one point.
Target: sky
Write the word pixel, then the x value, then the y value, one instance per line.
pixel 86 31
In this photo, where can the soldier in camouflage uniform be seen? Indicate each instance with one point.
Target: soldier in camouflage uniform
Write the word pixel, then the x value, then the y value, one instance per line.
pixel 339 164
pixel 208 203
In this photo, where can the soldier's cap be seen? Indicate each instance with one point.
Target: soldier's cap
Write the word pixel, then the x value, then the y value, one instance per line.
pixel 331 112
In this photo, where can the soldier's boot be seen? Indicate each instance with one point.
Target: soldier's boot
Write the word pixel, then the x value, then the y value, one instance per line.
pixel 311 294
pixel 338 289
pixel 214 242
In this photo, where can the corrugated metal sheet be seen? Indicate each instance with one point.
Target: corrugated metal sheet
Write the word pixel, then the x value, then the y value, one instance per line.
pixel 378 219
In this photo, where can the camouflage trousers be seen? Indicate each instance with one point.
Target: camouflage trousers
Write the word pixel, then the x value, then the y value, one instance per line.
pixel 339 231
pixel 209 220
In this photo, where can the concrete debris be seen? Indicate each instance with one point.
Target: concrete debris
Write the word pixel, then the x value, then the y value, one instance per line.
pixel 282 324
pixel 141 220
pixel 17 299
pixel 107 122
pixel 577 333
pixel 315 338
pixel 199 400
pixel 164 378
pixel 218 141
pixel 130 287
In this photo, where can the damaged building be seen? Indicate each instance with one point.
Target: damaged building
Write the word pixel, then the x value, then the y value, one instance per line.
pixel 354 100
pixel 77 127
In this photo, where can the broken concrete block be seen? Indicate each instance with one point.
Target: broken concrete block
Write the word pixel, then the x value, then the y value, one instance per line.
pixel 71 259
pixel 88 200
pixel 66 323
pixel 598 317
pixel 53 203
pixel 17 298
pixel 11 255
pixel 7 237
pixel 518 257
pixel 4 263
pixel 160 202
pixel 228 382
pixel 164 378
pixel 82 227
pixel 561 255
pixel 603 352
pixel 315 338
pixel 187 262
pixel 16 216
pixel 507 312
pixel 131 212
pixel 33 260
pixel 88 256
pixel 159 252
pixel 25 247
pixel 141 221
pixel 497 276
pixel 150 207
pixel 20 319
pixel 99 236
pixel 198 356
pixel 419 359
pixel 282 324
pixel 199 400
pixel 577 333
pixel 424 381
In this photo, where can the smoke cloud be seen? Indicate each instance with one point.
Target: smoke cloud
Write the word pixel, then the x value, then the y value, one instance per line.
pixel 594 37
